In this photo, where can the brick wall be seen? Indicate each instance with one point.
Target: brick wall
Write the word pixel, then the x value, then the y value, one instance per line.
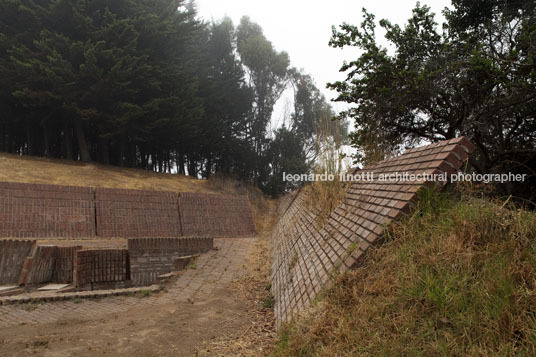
pixel 39 266
pixel 39 211
pixel 12 255
pixel 215 215
pixel 63 271
pixel 32 210
pixel 100 267
pixel 305 255
pixel 136 213
pixel 151 257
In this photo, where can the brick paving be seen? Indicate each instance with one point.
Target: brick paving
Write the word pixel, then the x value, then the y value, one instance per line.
pixel 212 271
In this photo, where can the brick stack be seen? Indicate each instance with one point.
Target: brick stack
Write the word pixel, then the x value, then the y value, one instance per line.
pixel 12 256
pixel 215 215
pixel 63 271
pixel 100 267
pixel 151 257
pixel 136 213
pixel 305 256
pixel 39 266
pixel 31 210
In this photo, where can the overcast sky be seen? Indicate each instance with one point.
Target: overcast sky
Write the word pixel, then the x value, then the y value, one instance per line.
pixel 303 29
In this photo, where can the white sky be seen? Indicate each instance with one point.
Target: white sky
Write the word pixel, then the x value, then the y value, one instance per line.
pixel 303 29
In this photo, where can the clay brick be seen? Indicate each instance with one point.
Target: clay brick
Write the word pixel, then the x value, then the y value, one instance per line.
pixel 151 257
pixel 32 210
pixel 12 257
pixel 93 267
pixel 136 213
pixel 216 215
pixel 304 254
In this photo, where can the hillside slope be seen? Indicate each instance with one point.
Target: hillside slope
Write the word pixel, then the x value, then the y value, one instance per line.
pixel 456 278
pixel 29 169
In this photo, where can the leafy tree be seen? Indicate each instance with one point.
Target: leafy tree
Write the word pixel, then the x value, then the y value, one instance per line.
pixel 285 155
pixel 476 78
pixel 313 116
pixel 267 72
pixel 145 83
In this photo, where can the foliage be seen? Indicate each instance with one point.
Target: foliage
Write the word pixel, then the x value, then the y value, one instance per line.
pixel 143 84
pixel 477 78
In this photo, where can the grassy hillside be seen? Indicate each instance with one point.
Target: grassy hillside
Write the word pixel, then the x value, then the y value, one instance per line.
pixel 29 169
pixel 456 278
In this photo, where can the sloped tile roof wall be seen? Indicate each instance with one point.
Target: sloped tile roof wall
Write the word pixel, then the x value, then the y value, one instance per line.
pixel 306 256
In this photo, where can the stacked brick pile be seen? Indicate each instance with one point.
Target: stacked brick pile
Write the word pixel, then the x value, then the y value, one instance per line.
pixel 215 215
pixel 151 257
pixel 137 213
pixel 306 255
pixel 31 210
pixel 100 267
pixel 63 271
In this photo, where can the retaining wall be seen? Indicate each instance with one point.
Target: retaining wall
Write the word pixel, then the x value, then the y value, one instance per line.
pixel 215 215
pixel 12 256
pixel 40 211
pixel 136 213
pixel 33 210
pixel 151 257
pixel 307 252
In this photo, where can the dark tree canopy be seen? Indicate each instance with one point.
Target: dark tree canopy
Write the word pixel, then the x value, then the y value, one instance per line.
pixel 475 78
pixel 145 83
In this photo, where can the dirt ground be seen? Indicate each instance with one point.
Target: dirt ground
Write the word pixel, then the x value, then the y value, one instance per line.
pixel 234 319
pixel 163 330
pixel 231 321
pixel 230 315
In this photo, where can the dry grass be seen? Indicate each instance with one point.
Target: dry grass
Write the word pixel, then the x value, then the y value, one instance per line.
pixel 326 195
pixel 29 169
pixel 456 278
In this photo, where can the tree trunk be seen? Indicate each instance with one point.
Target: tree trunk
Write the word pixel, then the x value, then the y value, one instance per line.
pixel 180 164
pixel 82 143
pixel 67 142
pixel 46 138
pixel 103 151
pixel 192 168
pixel 121 151
pixel 29 139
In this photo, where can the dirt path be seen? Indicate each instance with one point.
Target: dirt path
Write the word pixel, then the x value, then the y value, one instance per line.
pixel 197 310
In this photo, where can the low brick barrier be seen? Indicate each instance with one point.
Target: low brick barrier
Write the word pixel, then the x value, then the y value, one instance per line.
pixel 39 266
pixel 151 257
pixel 215 215
pixel 136 213
pixel 34 210
pixel 100 267
pixel 306 254
pixel 12 256
pixel 63 271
